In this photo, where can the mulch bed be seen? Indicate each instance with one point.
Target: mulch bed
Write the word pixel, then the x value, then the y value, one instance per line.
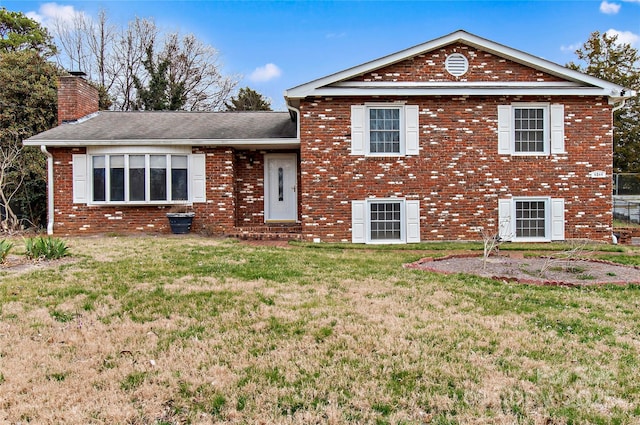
pixel 534 270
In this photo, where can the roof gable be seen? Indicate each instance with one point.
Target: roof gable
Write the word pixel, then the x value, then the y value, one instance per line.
pixel 408 73
pixel 483 66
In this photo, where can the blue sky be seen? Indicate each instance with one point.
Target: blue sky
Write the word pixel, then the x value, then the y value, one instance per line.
pixel 275 45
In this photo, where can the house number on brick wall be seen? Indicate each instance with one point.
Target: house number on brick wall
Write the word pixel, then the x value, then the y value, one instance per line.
pixel 597 174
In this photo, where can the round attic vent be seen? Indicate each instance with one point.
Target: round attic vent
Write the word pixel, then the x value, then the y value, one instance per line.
pixel 456 64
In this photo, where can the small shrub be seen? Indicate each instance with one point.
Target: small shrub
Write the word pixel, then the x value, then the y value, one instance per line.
pixel 46 247
pixel 5 247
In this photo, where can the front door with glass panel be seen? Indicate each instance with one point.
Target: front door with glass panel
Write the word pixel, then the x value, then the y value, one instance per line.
pixel 280 187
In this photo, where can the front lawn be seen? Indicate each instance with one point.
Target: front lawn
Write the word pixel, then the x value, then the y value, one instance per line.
pixel 154 330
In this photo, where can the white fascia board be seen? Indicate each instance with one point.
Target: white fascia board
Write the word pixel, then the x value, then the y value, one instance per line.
pixel 311 88
pixel 462 91
pixel 453 84
pixel 235 143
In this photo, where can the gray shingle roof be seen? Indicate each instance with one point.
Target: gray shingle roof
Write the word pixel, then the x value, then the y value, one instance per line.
pixel 110 126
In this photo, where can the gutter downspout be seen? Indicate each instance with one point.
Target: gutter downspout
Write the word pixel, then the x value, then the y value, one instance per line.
pixel 50 192
pixel 297 111
pixel 621 105
pixel 614 237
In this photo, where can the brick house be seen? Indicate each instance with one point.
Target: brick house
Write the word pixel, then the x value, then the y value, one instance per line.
pixel 430 143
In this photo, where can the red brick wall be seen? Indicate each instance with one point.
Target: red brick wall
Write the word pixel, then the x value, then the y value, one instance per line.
pixel 458 176
pixel 73 218
pixel 250 188
pixel 216 215
pixel 76 98
pixel 483 66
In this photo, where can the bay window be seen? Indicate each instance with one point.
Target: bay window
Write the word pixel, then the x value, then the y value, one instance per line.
pixel 119 177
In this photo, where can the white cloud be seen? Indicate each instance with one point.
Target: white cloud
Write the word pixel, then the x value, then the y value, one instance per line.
pixel 336 35
pixel 609 8
pixel 49 13
pixel 625 37
pixel 571 48
pixel 265 73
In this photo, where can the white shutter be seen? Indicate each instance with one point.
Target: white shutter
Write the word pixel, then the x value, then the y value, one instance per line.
pixel 505 221
pixel 556 118
pixel 198 178
pixel 358 221
pixel 357 130
pixel 411 138
pixel 412 209
pixel 80 185
pixel 504 129
pixel 557 219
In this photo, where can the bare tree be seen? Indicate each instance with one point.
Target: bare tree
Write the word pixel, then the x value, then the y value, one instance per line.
pixel 195 66
pixel 129 52
pixel 72 38
pixel 115 59
pixel 9 184
pixel 100 38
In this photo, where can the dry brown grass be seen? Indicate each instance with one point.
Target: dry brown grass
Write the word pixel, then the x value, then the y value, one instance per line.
pixel 140 330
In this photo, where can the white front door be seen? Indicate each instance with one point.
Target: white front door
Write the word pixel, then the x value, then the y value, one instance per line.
pixel 280 187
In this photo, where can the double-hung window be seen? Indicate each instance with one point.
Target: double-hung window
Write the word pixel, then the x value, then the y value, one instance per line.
pixel 384 130
pixel 119 176
pixel 387 129
pixel 531 218
pixel 385 221
pixel 531 129
pixel 529 132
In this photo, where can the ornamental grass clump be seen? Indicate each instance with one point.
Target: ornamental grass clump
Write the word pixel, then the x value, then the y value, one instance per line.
pixel 45 248
pixel 5 247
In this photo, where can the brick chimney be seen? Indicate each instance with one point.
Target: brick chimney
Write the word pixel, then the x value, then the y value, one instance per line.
pixel 76 98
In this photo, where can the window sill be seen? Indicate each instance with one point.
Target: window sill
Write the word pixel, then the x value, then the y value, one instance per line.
pixel 381 155
pixel 140 204
pixel 536 154
pixel 530 240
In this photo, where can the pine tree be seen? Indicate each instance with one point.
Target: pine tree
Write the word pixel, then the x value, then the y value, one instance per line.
pixel 604 57
pixel 248 100
pixel 160 94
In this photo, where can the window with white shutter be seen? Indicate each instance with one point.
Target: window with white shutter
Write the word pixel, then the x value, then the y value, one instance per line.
pixel 531 219
pixel 384 130
pixel 378 221
pixel 530 129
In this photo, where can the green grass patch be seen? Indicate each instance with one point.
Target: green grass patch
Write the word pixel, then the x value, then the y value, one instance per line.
pixel 133 381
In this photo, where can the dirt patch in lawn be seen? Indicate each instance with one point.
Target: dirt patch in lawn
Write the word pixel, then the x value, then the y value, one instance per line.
pixel 534 270
pixel 18 264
